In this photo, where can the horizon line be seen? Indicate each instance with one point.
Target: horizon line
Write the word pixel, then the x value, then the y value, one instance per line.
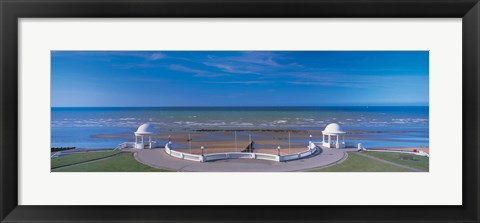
pixel 239 106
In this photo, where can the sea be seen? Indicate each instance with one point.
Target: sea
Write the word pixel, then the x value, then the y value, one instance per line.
pixel 373 126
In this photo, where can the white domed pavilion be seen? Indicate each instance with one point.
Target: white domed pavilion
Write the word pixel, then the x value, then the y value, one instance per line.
pixel 145 130
pixel 334 131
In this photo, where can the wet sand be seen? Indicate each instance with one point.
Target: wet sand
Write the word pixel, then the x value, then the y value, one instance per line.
pixel 273 150
pixel 210 146
pixel 264 141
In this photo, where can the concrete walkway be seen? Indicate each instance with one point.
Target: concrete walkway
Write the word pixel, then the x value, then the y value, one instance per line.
pixel 159 159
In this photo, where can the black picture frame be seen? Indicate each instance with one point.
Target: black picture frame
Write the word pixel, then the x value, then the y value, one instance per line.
pixel 12 10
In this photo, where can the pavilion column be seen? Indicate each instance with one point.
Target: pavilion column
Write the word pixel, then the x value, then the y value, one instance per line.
pixel 136 139
pixel 142 138
pixel 329 140
pixel 323 138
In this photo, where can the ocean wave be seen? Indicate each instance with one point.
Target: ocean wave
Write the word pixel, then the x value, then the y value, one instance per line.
pixel 190 123
pixel 409 120
pixel 279 122
pixel 126 119
pixel 241 123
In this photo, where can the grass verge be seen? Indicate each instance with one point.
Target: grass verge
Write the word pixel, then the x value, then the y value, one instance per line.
pixel 79 158
pixel 357 163
pixel 418 162
pixel 124 162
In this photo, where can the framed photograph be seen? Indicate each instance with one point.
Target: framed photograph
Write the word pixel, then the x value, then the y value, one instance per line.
pixel 239 111
pixel 296 110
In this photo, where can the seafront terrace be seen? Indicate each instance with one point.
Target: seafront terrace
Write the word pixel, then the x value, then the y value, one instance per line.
pixel 320 158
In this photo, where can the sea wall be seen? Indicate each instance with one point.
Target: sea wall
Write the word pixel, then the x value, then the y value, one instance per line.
pixel 418 153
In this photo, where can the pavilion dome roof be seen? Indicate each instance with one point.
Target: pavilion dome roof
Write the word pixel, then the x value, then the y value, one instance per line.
pixel 333 128
pixel 146 129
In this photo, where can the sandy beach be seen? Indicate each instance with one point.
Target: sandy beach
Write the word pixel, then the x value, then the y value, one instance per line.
pixel 265 140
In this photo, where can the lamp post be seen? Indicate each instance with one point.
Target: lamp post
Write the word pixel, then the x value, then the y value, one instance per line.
pixel 190 142
pixel 169 138
pixel 278 149
pixel 235 141
pixel 202 149
pixel 289 142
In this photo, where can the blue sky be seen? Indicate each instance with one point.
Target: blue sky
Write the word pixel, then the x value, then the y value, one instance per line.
pixel 238 78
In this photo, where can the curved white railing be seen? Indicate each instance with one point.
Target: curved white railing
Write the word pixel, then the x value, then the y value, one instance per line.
pixel 55 155
pixel 345 145
pixel 360 147
pixel 137 145
pixel 351 144
pixel 263 156
pixel 125 145
pixel 311 149
pixel 180 155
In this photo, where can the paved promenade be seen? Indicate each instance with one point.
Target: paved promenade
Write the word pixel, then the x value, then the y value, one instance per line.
pixel 159 159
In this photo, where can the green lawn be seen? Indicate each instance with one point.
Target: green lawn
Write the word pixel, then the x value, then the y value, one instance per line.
pixel 418 162
pixel 357 163
pixel 124 162
pixel 79 158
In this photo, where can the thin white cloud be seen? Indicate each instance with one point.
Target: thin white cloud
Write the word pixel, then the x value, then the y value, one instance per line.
pixel 196 72
pixel 229 68
pixel 327 83
pixel 257 62
pixel 111 56
pixel 356 81
pixel 237 82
